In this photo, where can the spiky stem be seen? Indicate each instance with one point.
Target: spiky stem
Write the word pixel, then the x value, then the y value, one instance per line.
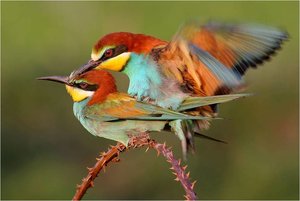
pixel 106 157
pixel 112 155
pixel 179 171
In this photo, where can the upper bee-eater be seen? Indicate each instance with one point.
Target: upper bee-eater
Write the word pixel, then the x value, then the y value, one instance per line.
pixel 107 113
pixel 200 60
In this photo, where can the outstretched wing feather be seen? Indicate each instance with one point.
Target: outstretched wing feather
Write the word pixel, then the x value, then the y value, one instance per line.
pixel 210 59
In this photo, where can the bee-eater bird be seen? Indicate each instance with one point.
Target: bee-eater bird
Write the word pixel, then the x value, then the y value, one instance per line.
pixel 200 60
pixel 107 113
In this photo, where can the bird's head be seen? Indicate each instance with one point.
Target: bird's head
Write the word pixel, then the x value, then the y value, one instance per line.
pixel 94 84
pixel 113 51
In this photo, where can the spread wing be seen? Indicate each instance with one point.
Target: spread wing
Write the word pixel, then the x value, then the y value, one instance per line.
pixel 238 46
pixel 210 59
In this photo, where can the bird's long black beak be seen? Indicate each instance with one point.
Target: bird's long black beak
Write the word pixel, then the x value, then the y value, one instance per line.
pixel 86 67
pixel 60 79
pixel 65 79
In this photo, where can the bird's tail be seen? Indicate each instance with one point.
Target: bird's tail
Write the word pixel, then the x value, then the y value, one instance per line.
pixel 186 130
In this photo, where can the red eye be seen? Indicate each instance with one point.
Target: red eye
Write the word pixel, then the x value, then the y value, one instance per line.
pixel 108 53
pixel 83 85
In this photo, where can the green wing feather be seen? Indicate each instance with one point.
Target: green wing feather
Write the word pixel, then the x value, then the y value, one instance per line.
pixel 166 114
pixel 194 102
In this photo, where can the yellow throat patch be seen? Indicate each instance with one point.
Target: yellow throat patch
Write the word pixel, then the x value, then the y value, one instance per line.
pixel 115 63
pixel 78 94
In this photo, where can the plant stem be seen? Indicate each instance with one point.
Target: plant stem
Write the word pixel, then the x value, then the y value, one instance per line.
pixel 178 170
pixel 112 155
pixel 93 172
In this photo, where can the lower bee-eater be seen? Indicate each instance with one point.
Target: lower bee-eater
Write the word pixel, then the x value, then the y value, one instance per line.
pixel 107 113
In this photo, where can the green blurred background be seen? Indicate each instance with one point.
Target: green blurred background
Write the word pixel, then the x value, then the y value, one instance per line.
pixel 45 150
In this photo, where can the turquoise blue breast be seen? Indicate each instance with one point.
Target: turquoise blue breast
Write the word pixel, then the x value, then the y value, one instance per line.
pixel 147 81
pixel 143 75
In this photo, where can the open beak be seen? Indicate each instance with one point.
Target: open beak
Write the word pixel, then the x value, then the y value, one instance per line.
pixel 60 79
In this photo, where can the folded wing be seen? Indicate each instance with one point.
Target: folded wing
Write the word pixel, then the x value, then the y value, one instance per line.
pixel 120 106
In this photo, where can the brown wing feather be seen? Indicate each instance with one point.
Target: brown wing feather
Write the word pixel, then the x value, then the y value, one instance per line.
pixel 177 61
pixel 235 47
pixel 238 46
pixel 118 105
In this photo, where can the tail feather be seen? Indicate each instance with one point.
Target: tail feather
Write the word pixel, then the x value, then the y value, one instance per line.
pixel 209 138
pixel 185 131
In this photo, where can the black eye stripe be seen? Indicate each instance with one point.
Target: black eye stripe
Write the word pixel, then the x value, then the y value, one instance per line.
pixel 120 49
pixel 112 52
pixel 86 86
